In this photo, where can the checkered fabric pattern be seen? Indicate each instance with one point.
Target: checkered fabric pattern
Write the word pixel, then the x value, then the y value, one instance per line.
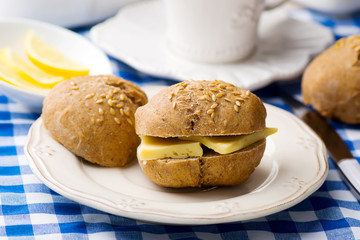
pixel 341 26
pixel 30 210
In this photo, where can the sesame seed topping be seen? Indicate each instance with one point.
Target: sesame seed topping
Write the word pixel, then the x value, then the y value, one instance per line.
pixel 103 95
pixel 174 105
pixel 203 97
pixel 236 108
pixel 171 96
pixel 222 85
pixel 230 88
pixel 99 101
pixel 210 111
pixel 197 112
pixel 99 120
pixel 240 99
pixel 89 96
pixel 111 102
pixel 227 99
pixel 237 93
pixel 122 97
pixel 213 90
pixel 213 97
pixel 75 88
pixel 247 93
pixel 212 85
pixel 116 90
pixel 127 112
pixel 108 96
pixel 220 94
pixel 112 111
pixel 214 105
pixel 122 111
pixel 129 121
pixel 238 103
pixel 117 120
pixel 212 115
pixel 120 105
pixel 101 111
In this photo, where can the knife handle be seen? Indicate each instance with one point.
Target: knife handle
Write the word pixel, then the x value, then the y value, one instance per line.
pixel 351 170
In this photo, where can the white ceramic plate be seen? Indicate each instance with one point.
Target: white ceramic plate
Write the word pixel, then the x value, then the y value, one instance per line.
pixel 70 43
pixel 137 36
pixel 293 167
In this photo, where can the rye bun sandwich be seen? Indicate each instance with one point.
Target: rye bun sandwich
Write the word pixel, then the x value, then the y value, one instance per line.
pixel 201 133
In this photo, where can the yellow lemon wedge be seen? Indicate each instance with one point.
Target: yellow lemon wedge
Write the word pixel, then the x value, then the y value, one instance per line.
pixel 27 70
pixel 50 59
pixel 19 80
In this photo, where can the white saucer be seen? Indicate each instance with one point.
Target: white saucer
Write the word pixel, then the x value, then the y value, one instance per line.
pixel 136 35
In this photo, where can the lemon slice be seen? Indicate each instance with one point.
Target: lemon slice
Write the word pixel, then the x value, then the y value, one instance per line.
pixel 27 70
pixel 19 80
pixel 51 59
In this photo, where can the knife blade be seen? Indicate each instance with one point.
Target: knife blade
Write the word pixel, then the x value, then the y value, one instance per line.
pixel 338 150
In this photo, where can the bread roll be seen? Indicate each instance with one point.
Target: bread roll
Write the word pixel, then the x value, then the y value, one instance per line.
pixel 202 108
pixel 93 117
pixel 331 83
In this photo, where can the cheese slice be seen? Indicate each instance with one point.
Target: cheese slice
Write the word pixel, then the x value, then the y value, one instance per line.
pixel 229 144
pixel 159 148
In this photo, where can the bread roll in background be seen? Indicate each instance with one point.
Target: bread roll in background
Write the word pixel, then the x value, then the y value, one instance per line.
pixel 93 117
pixel 331 82
pixel 202 108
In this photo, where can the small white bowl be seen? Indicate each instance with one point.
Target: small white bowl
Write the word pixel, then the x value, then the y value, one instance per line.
pixel 72 44
pixel 67 13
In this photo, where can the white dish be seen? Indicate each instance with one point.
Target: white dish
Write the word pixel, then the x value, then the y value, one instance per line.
pixel 293 167
pixel 70 43
pixel 136 35
pixel 67 13
pixel 332 6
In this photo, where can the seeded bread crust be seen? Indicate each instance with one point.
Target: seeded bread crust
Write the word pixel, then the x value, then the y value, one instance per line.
pixel 331 83
pixel 93 117
pixel 201 108
pixel 211 169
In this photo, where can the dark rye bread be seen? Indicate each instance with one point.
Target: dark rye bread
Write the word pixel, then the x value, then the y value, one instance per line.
pixel 211 169
pixel 201 108
pixel 93 117
pixel 331 82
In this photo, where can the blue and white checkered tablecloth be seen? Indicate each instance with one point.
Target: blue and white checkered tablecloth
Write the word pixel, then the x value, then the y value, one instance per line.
pixel 30 210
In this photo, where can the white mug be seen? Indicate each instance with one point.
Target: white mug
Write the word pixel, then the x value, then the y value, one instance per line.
pixel 214 31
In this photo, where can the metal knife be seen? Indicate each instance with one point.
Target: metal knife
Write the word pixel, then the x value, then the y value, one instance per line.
pixel 337 148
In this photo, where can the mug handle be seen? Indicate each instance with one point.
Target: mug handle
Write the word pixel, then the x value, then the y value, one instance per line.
pixel 270 4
